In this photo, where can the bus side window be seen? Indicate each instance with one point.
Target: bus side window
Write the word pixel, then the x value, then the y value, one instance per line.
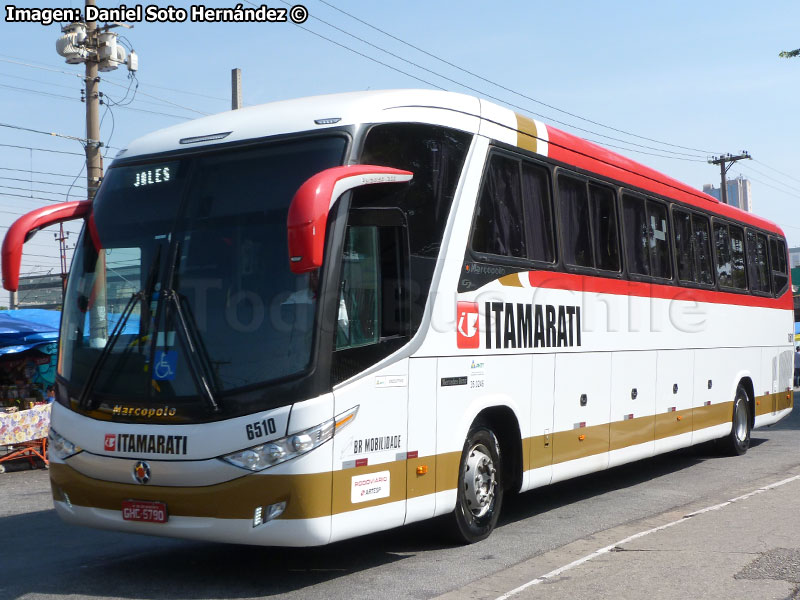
pixel 723 245
pixel 604 226
pixel 660 263
pixel 738 273
pixel 636 232
pixel 758 262
pixel 499 224
pixel 779 274
pixel 704 270
pixel 538 213
pixel 683 245
pixel 575 222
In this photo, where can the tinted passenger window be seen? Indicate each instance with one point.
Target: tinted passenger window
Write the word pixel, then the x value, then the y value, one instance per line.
pixel 758 262
pixel 702 247
pixel 604 226
pixel 515 215
pixel 683 245
pixel 659 246
pixel 730 256
pixel 636 232
pixel 779 273
pixel 575 225
pixel 499 224
pixel 693 248
pixel 738 273
pixel 538 213
pixel 646 230
pixel 723 244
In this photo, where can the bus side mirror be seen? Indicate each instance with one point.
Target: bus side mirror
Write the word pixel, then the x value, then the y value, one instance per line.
pixel 308 212
pixel 26 226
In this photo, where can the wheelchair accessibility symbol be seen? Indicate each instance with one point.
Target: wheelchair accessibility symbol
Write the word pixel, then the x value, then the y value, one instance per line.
pixel 164 366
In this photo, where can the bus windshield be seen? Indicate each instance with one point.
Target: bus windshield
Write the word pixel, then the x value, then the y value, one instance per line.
pixel 182 275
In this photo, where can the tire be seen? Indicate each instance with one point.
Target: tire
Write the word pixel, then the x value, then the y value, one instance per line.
pixel 480 487
pixel 738 441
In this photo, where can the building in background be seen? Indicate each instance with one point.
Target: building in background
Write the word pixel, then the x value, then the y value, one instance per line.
pixel 738 193
pixel 794 261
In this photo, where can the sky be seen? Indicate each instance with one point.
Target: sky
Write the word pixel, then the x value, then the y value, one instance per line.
pixel 669 84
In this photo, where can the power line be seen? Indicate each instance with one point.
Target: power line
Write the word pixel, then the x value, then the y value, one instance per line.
pixel 19 62
pixel 792 188
pixel 30 197
pixel 36 172
pixel 142 110
pixel 35 181
pixel 494 83
pixel 776 170
pixel 11 187
pixel 772 186
pixel 41 149
pixel 483 92
pixel 28 129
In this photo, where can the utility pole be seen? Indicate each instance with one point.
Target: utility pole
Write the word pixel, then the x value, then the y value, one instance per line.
pixel 236 89
pixel 96 47
pixel 94 160
pixel 62 237
pixel 723 170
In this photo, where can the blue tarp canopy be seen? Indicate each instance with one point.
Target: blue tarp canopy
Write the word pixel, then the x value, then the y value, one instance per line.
pixel 27 328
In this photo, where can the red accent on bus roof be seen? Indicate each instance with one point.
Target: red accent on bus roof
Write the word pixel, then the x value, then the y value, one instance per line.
pixel 575 151
pixel 622 287
pixel 30 223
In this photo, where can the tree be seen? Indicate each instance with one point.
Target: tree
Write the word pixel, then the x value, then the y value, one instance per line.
pixel 790 53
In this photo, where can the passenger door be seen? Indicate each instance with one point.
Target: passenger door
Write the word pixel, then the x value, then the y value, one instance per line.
pixel 369 457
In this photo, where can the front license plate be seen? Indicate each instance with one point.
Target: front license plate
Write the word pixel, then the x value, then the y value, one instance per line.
pixel 141 510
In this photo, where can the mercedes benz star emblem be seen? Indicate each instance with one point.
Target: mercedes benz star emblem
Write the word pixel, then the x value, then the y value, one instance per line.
pixel 141 472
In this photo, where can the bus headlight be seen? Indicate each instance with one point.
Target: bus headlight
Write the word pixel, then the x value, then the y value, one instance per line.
pixel 269 454
pixel 60 446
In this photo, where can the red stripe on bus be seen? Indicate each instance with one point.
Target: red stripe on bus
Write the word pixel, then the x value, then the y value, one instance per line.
pixel 618 287
pixel 586 155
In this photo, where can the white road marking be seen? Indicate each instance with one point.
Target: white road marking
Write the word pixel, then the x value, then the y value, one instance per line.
pixel 605 550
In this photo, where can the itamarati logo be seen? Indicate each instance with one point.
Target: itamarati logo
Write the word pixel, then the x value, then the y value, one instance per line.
pixel 467 329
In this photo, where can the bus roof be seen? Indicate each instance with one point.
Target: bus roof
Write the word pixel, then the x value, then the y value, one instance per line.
pixel 334 110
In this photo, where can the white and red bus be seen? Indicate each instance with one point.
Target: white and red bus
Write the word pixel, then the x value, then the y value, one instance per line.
pixel 301 322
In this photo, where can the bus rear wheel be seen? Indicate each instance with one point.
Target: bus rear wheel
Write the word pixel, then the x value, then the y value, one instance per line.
pixel 480 487
pixel 738 441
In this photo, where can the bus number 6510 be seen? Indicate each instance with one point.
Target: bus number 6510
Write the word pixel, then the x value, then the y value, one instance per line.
pixel 260 429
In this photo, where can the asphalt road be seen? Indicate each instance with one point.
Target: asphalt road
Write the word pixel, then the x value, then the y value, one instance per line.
pixel 41 557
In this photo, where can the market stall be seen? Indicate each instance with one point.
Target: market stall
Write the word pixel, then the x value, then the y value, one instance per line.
pixel 28 354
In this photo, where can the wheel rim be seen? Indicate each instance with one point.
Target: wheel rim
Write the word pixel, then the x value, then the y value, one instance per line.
pixel 479 480
pixel 740 421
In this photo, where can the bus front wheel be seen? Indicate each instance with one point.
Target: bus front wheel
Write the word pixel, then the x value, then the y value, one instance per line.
pixel 480 487
pixel 739 439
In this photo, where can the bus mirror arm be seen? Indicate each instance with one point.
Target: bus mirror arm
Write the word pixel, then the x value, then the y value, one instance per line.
pixel 23 229
pixel 308 212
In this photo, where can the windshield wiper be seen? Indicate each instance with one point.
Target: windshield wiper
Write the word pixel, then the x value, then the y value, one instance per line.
pixel 200 369
pixel 83 399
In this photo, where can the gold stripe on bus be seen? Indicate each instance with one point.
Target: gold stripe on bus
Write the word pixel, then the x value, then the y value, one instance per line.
pixel 714 414
pixel 770 403
pixel 541 451
pixel 510 280
pixel 527 136
pixel 632 432
pixel 674 423
pixel 580 443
